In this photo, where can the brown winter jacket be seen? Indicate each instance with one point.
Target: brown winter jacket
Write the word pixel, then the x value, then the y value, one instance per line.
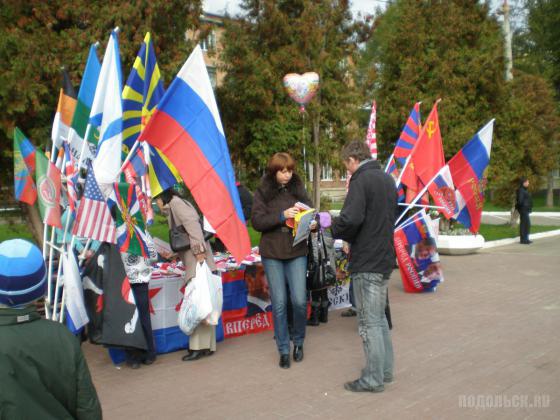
pixel 269 202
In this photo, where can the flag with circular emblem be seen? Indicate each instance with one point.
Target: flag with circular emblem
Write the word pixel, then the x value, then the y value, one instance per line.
pixel 47 178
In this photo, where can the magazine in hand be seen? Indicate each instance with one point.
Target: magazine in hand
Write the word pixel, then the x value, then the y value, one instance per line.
pixel 302 225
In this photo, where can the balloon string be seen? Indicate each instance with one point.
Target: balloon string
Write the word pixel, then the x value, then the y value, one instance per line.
pixel 303 143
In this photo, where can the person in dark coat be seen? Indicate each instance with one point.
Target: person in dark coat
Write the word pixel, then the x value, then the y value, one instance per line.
pixel 273 204
pixel 366 222
pixel 43 372
pixel 524 205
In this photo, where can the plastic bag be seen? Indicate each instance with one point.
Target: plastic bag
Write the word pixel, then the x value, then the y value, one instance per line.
pixel 216 297
pixel 196 305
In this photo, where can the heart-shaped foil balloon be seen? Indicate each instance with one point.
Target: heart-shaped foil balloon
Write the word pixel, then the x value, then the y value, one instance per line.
pixel 301 87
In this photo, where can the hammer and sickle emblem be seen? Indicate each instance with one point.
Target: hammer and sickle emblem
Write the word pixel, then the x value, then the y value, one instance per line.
pixel 430 129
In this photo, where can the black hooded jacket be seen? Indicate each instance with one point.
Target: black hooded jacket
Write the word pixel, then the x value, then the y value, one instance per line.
pixel 367 220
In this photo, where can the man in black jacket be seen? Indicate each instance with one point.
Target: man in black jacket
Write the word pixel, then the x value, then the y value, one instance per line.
pixel 524 205
pixel 367 222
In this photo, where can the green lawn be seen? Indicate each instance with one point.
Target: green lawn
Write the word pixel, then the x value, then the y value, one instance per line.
pixel 495 232
pixel 539 200
pixel 160 230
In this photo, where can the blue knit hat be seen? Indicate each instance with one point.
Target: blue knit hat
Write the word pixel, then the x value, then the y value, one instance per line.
pixel 23 276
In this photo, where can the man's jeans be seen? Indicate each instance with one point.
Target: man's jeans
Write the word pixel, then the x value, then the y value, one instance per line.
pixel 278 272
pixel 370 292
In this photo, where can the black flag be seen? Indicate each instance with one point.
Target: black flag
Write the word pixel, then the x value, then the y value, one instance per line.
pixel 119 316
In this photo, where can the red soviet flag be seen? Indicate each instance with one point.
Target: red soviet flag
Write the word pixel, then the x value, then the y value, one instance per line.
pixel 427 157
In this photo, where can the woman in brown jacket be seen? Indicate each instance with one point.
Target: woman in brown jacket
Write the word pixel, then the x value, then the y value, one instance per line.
pixel 273 204
pixel 202 342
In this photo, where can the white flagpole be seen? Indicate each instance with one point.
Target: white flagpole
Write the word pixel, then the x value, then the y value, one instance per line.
pixel 419 195
pixel 421 206
pixel 50 254
pixel 389 162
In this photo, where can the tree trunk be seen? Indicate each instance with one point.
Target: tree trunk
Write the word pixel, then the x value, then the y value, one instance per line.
pixel 316 165
pixel 550 190
pixel 35 223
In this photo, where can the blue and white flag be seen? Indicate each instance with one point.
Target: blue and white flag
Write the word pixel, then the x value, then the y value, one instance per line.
pixel 75 306
pixel 107 113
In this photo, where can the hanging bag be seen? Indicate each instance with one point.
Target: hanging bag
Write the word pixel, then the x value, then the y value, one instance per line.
pixel 178 237
pixel 196 304
pixel 327 268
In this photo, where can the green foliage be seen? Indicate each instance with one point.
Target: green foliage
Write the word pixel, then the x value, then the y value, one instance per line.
pixel 528 143
pixel 424 50
pixel 274 38
pixel 537 47
pixel 38 37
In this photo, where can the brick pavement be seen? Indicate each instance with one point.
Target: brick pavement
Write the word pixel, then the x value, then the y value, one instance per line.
pixel 490 329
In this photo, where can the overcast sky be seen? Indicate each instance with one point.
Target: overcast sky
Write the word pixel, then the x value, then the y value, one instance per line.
pixel 363 6
pixel 232 6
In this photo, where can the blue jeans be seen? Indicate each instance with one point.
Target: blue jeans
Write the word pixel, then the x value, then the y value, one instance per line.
pixel 278 272
pixel 370 292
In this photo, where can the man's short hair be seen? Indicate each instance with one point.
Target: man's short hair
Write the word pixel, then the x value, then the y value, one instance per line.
pixel 356 149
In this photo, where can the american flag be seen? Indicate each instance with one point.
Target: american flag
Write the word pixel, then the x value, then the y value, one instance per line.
pixel 371 137
pixel 94 218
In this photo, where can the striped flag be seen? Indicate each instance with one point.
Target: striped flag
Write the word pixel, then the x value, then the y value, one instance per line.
pixel 24 166
pixel 94 218
pixel 371 137
pixel 187 123
pixel 131 236
pixel 106 113
pixel 409 135
pixel 64 111
pixel 141 94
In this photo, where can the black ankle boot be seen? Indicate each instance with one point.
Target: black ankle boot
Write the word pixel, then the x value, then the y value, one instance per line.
pixel 314 317
pixel 324 313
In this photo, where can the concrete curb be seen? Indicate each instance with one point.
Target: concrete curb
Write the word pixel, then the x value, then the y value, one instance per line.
pixel 509 241
pixel 537 213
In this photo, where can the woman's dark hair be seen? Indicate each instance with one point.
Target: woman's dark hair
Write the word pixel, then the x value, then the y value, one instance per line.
pixel 278 162
pixel 167 195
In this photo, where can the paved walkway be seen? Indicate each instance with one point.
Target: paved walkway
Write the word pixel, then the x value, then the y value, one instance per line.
pixel 491 330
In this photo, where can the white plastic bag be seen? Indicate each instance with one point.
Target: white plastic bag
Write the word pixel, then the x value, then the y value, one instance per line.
pixel 216 297
pixel 196 305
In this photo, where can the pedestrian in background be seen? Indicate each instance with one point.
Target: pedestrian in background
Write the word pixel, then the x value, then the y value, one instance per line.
pixel 524 205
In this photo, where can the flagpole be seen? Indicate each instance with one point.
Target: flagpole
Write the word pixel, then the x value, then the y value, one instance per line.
pixel 50 256
pixel 418 196
pixel 129 156
pixel 408 221
pixel 422 206
pixel 389 161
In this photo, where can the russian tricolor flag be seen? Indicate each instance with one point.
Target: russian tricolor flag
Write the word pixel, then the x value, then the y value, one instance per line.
pixel 467 169
pixel 187 128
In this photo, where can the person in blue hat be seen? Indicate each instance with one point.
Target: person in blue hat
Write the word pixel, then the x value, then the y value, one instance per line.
pixel 43 372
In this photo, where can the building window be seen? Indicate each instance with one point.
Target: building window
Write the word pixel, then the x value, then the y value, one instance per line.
pixel 212 73
pixel 326 172
pixel 209 43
